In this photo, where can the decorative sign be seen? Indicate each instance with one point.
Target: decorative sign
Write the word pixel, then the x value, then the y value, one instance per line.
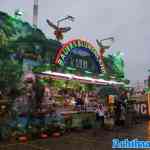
pixel 79 54
pixel 141 108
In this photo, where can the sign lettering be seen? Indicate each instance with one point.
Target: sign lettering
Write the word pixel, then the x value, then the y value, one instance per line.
pixel 141 108
pixel 81 54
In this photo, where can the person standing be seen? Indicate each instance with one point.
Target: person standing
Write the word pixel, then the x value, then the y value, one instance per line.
pixel 86 102
pixel 100 114
pixel 82 102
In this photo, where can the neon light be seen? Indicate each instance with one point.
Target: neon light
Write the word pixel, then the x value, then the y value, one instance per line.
pixel 56 75
pixel 65 53
pixel 73 44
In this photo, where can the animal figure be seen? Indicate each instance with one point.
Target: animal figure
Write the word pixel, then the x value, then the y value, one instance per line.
pixel 103 45
pixel 111 64
pixel 59 31
pixel 114 65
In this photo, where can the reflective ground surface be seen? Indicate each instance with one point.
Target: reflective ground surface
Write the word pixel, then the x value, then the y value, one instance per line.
pixel 94 139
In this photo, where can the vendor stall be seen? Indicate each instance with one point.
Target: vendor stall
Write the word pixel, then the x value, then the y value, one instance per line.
pixel 79 66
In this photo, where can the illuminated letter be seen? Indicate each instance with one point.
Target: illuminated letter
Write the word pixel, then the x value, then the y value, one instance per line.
pixel 65 50
pixel 137 107
pixel 143 109
pixel 74 44
pixel 79 43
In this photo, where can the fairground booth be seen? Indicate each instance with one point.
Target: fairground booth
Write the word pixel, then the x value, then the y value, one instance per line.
pixel 52 84
pixel 80 72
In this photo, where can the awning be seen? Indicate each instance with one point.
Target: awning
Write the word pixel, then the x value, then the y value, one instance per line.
pixel 82 79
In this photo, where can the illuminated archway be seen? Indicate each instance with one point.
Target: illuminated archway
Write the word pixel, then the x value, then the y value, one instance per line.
pixel 79 54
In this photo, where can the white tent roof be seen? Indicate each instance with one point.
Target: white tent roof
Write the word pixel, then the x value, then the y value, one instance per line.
pixel 57 75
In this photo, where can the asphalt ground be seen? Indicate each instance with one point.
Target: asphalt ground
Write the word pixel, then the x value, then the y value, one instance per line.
pixel 93 139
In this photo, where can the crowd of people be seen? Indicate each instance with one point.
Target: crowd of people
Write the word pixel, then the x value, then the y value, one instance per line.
pixel 102 110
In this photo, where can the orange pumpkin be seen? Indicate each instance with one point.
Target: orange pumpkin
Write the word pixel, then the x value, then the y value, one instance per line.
pixel 23 139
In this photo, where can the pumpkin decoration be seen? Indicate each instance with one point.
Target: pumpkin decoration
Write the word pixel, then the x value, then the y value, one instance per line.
pixel 44 135
pixel 23 139
pixel 56 134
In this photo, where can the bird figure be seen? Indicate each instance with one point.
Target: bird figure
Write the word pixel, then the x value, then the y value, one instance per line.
pixel 103 45
pixel 59 31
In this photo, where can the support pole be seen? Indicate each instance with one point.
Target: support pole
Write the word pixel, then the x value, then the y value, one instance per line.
pixel 35 14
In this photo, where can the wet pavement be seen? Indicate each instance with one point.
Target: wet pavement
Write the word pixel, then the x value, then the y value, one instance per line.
pixel 93 139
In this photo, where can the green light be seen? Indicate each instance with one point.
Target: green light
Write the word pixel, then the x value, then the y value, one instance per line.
pixel 70 68
pixel 101 75
pixel 88 72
